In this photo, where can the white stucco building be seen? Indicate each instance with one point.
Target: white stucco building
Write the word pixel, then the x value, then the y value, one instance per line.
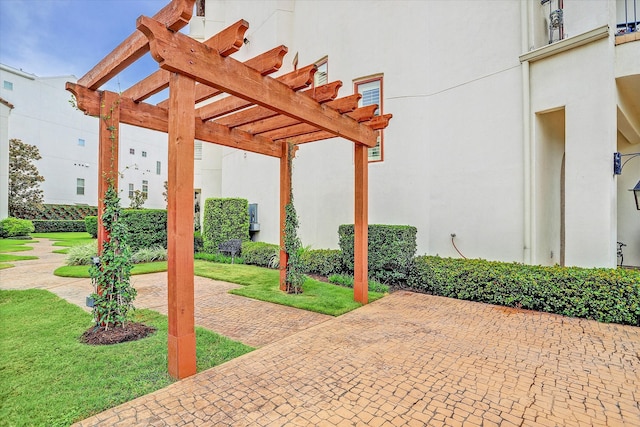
pixel 42 114
pixel 499 136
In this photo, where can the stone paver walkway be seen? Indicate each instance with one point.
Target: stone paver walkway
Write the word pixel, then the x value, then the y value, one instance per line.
pixel 252 322
pixel 415 360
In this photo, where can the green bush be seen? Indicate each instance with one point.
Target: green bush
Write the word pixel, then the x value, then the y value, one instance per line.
pixel 347 281
pixel 82 254
pixel 91 225
pixel 15 227
pixel 146 227
pixel 58 225
pixel 322 261
pixel 198 243
pixel 224 219
pixel 151 254
pixel 261 253
pixel 605 295
pixel 391 251
pixel 219 258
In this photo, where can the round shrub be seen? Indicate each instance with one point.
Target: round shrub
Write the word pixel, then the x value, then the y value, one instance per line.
pixel 15 227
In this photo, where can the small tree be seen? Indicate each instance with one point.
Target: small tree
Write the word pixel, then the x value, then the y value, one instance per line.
pixel 113 294
pixel 25 195
pixel 138 199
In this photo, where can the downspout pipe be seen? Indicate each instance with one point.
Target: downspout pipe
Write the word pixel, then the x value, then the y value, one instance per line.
pixel 527 256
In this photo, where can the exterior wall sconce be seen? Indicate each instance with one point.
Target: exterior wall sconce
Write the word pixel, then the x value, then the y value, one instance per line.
pixel 636 194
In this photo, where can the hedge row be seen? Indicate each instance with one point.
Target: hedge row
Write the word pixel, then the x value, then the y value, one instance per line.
pixel 391 251
pixel 324 262
pixel 58 226
pixel 605 295
pixel 146 227
pixel 261 254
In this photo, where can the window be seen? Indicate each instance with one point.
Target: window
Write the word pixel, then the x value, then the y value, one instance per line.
pixel 132 151
pixel 80 186
pixel 321 77
pixel 144 154
pixel 371 91
pixel 80 142
pixel 158 168
pixel 197 150
pixel 145 187
pixel 130 191
pixel 7 85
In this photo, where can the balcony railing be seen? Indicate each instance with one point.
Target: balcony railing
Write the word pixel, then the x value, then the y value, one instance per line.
pixel 631 22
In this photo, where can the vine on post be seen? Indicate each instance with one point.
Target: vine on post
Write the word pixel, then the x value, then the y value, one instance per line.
pixel 113 294
pixel 292 244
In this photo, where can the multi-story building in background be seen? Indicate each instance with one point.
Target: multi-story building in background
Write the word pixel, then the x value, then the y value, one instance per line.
pixel 506 118
pixel 39 111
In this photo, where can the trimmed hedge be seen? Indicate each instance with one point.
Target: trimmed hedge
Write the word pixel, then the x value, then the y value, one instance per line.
pixel 391 251
pixel 91 225
pixel 324 262
pixel 605 295
pixel 146 227
pixel 261 254
pixel 15 227
pixel 224 219
pixel 58 226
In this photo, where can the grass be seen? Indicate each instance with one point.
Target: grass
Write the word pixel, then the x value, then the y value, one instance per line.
pixel 14 245
pixel 49 378
pixel 66 240
pixel 264 284
pixel 82 271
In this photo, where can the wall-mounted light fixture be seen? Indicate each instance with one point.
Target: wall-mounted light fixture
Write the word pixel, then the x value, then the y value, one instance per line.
pixel 636 194
pixel 246 41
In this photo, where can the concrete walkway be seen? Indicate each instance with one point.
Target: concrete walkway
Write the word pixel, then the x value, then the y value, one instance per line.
pixel 415 360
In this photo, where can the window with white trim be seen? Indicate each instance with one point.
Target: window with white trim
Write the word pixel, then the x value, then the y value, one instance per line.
pixel 144 154
pixel 145 187
pixel 80 186
pixel 130 190
pixel 371 91
pixel 197 150
pixel 321 77
pixel 7 85
pixel 132 151
pixel 158 168
pixel 81 142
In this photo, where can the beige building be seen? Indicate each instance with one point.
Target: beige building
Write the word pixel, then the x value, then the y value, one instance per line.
pixel 507 115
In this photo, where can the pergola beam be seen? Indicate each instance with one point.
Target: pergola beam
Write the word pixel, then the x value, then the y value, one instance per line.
pixel 173 17
pixel 296 80
pixel 153 117
pixel 178 53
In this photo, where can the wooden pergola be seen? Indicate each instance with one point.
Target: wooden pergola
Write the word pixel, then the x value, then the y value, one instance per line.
pixel 260 114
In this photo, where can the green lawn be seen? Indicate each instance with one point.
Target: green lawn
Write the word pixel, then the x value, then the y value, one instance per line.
pixel 14 245
pixel 49 378
pixel 264 284
pixel 83 270
pixel 66 240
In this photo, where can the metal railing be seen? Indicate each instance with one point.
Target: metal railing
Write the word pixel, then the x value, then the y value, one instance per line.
pixel 631 22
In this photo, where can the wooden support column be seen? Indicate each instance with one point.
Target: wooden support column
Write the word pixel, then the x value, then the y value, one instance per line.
pixel 285 198
pixel 182 340
pixel 361 225
pixel 108 134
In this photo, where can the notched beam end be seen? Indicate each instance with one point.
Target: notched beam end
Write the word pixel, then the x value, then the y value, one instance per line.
pixel 379 122
pixel 87 100
pixel 183 11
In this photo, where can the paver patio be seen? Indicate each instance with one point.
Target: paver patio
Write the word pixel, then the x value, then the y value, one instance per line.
pixel 412 359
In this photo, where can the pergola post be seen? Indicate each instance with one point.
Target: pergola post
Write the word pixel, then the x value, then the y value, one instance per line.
pixel 181 126
pixel 361 225
pixel 108 135
pixel 285 198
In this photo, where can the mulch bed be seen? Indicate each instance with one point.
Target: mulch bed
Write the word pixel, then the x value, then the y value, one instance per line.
pixel 97 335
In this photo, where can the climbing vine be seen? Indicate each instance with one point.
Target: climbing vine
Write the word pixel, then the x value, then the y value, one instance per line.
pixel 292 244
pixel 113 294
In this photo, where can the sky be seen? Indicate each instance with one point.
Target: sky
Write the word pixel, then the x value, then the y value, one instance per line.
pixel 68 37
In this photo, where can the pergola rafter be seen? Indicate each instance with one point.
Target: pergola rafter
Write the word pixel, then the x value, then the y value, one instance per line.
pixel 259 113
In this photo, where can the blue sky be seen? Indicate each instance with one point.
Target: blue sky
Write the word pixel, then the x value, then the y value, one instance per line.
pixel 68 37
